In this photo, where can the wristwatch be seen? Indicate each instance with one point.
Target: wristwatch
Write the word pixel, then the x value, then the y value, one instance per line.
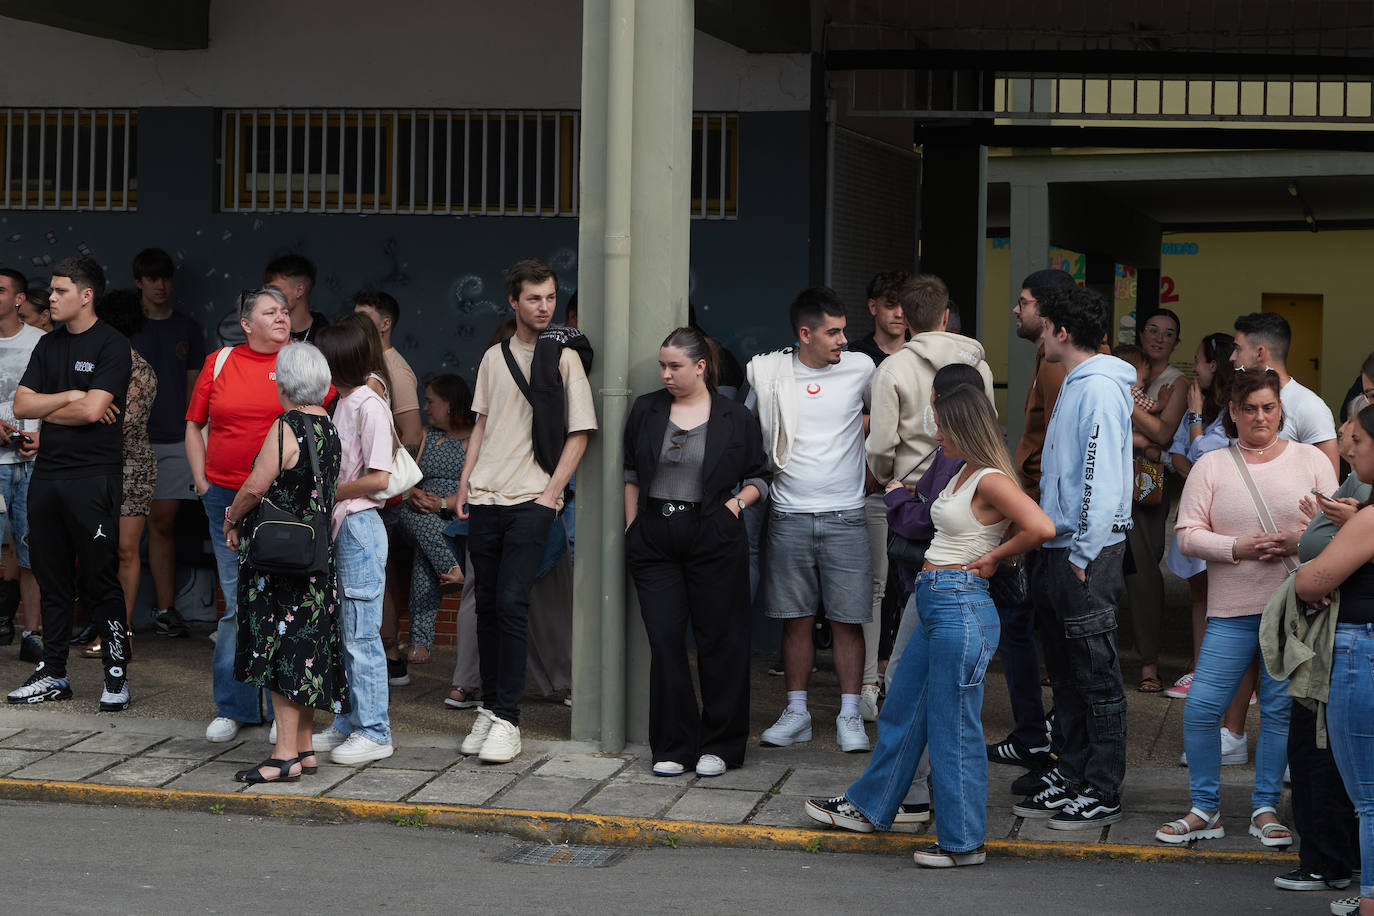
pixel 445 512
pixel 739 502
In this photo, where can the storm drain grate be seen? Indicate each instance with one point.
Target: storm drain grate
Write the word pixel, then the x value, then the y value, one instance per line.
pixel 566 856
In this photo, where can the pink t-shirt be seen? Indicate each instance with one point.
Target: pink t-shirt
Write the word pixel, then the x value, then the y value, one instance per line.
pixel 1216 509
pixel 364 426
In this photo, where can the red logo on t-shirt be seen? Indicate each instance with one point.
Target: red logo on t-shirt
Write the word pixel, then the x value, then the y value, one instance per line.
pixel 813 388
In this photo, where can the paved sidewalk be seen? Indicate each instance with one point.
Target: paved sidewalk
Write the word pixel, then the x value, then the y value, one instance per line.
pixel 556 790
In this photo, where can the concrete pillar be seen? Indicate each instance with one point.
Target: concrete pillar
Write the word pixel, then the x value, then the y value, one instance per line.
pixel 633 248
pixel 1030 244
pixel 954 223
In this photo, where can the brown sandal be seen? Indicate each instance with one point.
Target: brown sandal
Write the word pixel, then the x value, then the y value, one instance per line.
pixel 1150 685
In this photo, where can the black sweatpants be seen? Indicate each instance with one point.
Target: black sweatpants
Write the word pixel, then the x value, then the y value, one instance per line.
pixel 693 569
pixel 1322 813
pixel 74 530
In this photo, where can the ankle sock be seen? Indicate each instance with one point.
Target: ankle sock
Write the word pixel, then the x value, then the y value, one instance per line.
pixel 849 704
pixel 796 700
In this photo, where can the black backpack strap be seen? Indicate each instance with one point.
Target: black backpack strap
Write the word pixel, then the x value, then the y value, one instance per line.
pixel 515 371
pixel 309 445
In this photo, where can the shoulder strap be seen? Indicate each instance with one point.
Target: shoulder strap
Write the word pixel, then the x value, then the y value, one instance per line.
pixel 1257 499
pixel 221 358
pixel 514 367
pixel 309 445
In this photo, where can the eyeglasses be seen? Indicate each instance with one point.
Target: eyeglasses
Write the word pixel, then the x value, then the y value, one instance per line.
pixel 1156 331
pixel 1258 369
pixel 674 453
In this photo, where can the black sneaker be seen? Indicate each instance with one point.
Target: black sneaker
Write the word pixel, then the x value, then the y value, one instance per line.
pixel 115 696
pixel 85 636
pixel 40 688
pixel 1047 802
pixel 776 669
pixel 1085 812
pixel 1012 750
pixel 31 647
pixel 1346 906
pixel 6 630
pixel 169 622
pixel 933 856
pixel 1300 879
pixel 1032 782
pixel 912 813
pixel 397 674
pixel 838 812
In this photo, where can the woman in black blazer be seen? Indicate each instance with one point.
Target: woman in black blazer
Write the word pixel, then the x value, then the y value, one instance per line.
pixel 693 461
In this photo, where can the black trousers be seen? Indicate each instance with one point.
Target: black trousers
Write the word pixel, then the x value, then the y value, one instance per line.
pixel 506 544
pixel 74 529
pixel 693 570
pixel 1322 813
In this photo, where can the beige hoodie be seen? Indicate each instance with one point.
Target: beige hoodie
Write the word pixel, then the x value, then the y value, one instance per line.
pixel 901 430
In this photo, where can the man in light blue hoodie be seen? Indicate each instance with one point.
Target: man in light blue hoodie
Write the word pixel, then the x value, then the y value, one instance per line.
pixel 1085 489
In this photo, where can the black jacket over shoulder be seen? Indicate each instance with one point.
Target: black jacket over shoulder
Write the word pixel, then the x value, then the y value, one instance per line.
pixel 734 446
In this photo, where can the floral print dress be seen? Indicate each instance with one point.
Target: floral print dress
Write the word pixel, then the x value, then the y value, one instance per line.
pixel 288 634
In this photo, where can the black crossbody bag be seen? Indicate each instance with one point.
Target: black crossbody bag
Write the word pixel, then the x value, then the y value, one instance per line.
pixel 282 542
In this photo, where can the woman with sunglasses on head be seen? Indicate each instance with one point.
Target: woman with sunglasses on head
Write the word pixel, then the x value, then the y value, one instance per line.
pixel 1246 534
pixel 693 461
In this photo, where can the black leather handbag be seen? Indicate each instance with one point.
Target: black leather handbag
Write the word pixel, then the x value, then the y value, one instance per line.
pixel 282 542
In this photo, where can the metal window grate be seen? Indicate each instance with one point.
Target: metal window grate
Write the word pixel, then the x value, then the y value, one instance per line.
pixel 460 162
pixel 69 158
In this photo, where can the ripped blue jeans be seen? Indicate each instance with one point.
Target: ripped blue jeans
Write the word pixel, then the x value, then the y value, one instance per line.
pixel 935 701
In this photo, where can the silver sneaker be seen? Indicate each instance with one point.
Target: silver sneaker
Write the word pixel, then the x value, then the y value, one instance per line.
pixel 850 733
pixel 791 728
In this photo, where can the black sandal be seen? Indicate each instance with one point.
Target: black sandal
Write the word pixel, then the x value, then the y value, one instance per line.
pixel 305 770
pixel 254 775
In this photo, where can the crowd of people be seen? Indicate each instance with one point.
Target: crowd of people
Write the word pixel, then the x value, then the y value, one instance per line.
pixel 865 484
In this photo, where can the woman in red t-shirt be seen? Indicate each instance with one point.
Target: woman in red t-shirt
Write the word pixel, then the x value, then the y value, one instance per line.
pixel 236 399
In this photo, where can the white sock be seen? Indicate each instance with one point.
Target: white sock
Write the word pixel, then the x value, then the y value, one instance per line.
pixel 796 700
pixel 849 704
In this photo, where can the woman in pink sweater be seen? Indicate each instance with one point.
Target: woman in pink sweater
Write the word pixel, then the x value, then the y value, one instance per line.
pixel 1219 522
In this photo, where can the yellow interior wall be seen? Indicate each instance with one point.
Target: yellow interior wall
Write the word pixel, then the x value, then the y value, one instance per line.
pixel 1228 276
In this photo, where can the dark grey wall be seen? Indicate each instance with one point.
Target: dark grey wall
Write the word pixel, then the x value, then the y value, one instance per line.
pixel 445 271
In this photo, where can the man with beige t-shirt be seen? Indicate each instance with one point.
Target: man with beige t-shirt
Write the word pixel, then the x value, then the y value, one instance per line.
pixel 511 500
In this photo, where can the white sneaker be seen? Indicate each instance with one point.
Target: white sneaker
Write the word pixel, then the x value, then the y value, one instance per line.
pixel 868 702
pixel 669 768
pixel 221 729
pixel 358 748
pixel 1234 751
pixel 849 732
pixel 328 739
pixel 481 727
pixel 710 765
pixel 502 744
pixel 791 728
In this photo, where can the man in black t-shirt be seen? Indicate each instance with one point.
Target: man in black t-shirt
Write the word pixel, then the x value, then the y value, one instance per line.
pixel 294 277
pixel 174 345
pixel 76 383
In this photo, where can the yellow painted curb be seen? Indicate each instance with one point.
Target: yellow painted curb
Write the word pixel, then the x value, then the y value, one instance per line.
pixel 593 829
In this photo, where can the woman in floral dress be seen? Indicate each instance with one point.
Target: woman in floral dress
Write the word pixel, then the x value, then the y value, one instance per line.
pixel 288 637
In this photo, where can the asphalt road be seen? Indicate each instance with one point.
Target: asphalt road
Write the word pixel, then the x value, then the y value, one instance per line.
pixel 77 860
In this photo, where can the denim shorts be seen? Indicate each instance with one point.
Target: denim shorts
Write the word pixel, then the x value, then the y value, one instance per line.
pixel 819 561
pixel 14 489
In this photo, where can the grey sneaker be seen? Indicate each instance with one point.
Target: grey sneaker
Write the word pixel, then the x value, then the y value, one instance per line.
pixel 849 732
pixel 791 728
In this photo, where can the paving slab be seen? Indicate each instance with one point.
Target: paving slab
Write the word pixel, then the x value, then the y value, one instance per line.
pixel 433 759
pixel 215 776
pixel 1038 829
pixel 814 782
pixel 463 786
pixel 190 749
pixel 317 784
pixel 784 811
pixel 582 766
pixel 66 766
pixel 635 799
pixel 144 771
pixel 7 732
pixel 44 739
pixel 12 759
pixel 244 752
pixel 716 806
pixel 116 742
pixel 378 783
pixel 546 793
pixel 757 777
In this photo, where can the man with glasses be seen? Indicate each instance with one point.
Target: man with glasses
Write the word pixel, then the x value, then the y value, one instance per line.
pixel 1262 340
pixel 811 403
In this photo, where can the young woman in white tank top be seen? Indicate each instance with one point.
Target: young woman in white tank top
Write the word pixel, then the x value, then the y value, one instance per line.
pixel 943 666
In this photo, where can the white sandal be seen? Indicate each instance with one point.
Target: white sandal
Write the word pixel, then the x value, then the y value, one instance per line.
pixel 1266 833
pixel 1184 832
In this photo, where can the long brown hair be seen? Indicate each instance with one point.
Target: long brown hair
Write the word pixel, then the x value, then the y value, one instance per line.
pixel 696 346
pixel 966 416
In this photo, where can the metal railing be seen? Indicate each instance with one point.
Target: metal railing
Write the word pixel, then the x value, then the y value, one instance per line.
pixel 69 158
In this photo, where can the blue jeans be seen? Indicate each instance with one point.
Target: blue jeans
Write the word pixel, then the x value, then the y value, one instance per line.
pixel 941 670
pixel 1350 726
pixel 1228 647
pixel 14 489
pixel 233 699
pixel 360 559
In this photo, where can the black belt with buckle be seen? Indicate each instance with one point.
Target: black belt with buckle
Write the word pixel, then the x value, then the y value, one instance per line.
pixel 669 507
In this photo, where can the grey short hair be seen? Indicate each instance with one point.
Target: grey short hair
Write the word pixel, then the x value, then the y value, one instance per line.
pixel 248 300
pixel 303 374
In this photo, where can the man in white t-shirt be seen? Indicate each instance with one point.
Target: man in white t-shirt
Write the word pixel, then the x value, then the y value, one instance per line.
pixel 1262 340
pixel 811 404
pixel 17 341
